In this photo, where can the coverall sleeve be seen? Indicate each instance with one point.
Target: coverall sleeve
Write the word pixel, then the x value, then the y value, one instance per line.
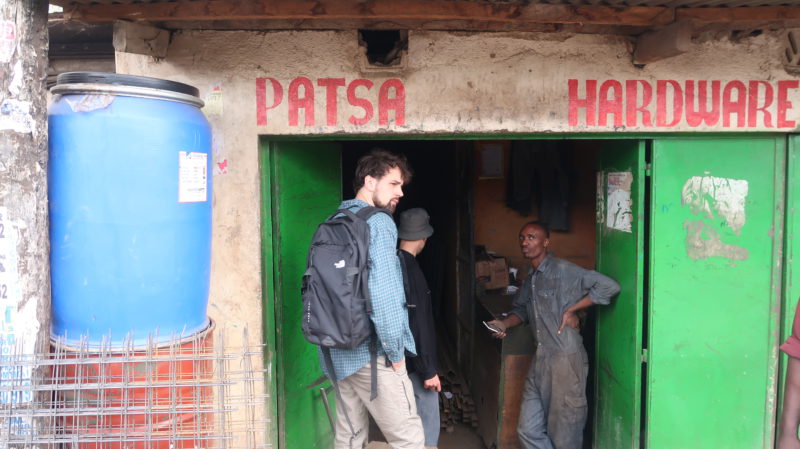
pixel 599 287
pixel 519 306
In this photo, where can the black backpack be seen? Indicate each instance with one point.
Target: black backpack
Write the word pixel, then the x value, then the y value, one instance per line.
pixel 336 299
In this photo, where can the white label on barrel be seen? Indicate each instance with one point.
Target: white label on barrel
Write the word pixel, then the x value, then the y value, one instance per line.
pixel 193 178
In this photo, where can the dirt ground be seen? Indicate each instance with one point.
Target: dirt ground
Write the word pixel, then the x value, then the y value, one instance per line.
pixel 462 437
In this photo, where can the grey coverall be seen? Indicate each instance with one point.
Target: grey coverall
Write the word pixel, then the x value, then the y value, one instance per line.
pixel 553 411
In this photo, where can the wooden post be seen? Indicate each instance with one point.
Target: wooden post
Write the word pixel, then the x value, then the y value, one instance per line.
pixel 24 243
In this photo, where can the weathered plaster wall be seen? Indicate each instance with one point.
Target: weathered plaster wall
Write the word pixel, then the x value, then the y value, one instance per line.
pixel 452 83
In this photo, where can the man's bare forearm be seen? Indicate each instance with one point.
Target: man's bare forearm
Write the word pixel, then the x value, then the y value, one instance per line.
pixel 511 321
pixel 790 418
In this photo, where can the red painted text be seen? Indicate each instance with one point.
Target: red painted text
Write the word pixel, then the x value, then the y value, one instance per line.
pixel 670 103
pixel 303 95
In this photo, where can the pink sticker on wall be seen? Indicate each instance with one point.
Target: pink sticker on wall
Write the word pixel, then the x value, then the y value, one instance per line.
pixel 8 40
pixel 222 167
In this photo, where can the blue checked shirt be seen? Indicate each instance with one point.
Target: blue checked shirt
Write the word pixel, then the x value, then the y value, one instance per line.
pixel 388 299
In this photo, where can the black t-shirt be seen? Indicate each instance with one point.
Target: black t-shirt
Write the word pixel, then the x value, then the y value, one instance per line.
pixel 420 318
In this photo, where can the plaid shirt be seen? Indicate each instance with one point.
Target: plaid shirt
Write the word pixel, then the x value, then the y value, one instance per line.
pixel 388 299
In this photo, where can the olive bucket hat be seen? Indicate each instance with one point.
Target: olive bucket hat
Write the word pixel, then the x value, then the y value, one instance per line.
pixel 414 224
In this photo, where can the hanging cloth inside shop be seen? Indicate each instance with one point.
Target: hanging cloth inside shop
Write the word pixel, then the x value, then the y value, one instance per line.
pixel 538 175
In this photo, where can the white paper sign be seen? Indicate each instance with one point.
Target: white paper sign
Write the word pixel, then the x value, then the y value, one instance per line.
pixel 193 177
pixel 619 215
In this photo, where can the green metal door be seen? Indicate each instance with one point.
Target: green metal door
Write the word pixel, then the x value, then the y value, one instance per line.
pixel 620 249
pixel 306 187
pixel 715 253
pixel 791 286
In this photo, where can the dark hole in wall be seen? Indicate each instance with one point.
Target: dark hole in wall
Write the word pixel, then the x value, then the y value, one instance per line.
pixel 384 47
pixel 739 35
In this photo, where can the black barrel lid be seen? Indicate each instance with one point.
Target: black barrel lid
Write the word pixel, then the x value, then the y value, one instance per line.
pixel 125 80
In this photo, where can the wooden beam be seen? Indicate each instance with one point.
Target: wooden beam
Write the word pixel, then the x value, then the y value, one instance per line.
pixel 376 10
pixel 739 15
pixel 750 18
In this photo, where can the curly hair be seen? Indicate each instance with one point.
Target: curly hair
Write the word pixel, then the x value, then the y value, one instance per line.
pixel 377 163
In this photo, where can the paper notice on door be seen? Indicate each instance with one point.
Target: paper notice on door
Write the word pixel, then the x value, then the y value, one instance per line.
pixel 192 177
pixel 619 215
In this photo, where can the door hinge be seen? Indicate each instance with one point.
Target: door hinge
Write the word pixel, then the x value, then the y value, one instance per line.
pixel 644 355
pixel 648 169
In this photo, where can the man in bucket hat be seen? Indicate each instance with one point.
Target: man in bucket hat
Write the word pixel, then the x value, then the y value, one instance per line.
pixel 413 231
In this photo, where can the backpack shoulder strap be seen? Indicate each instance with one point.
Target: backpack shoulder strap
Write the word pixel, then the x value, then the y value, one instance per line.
pixel 368 211
pixel 345 212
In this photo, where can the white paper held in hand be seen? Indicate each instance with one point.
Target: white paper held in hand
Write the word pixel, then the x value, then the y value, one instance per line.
pixel 491 327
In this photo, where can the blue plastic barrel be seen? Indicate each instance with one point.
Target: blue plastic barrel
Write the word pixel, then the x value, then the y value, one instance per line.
pixel 130 210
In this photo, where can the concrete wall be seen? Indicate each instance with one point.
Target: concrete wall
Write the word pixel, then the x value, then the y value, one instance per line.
pixel 262 83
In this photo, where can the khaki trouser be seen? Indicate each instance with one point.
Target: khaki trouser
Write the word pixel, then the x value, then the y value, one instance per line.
pixel 393 410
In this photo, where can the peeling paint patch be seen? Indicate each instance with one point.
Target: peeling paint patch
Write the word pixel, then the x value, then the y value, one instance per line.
pixel 217 141
pixel 8 40
pixel 87 103
pixel 15 115
pixel 16 80
pixel 717 198
pixel 703 241
pixel 619 214
pixel 18 323
pixel 721 200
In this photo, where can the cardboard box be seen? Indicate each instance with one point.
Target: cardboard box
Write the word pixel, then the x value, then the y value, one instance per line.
pixel 492 273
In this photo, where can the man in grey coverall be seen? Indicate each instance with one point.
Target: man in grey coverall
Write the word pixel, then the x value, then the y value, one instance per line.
pixel 553 411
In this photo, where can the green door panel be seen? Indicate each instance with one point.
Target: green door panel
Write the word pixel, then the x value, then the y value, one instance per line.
pixel 306 188
pixel 620 249
pixel 268 292
pixel 715 257
pixel 791 286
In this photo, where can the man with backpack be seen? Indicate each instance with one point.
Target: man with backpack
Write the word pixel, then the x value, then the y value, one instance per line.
pixel 369 375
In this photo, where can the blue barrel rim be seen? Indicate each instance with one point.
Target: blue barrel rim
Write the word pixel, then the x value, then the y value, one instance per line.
pixel 125 91
pixel 125 80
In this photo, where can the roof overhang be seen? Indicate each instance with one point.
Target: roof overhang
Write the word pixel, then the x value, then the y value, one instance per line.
pixel 621 17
